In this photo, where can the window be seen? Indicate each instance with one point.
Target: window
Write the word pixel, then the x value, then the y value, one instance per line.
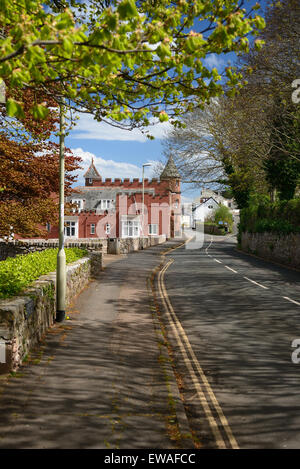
pixel 71 229
pixel 210 206
pixel 48 227
pixel 90 181
pixel 104 204
pixel 107 228
pixel 78 203
pixel 153 229
pixel 131 229
pixel 92 228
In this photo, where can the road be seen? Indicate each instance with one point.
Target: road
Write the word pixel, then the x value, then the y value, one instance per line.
pixel 236 318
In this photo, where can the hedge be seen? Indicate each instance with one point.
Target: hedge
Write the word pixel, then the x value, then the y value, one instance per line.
pixel 19 272
pixel 279 217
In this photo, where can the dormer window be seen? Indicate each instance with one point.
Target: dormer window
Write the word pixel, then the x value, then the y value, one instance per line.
pixel 78 204
pixel 105 204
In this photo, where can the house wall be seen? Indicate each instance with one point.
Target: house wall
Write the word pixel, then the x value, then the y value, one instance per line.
pixel 162 208
pixel 202 212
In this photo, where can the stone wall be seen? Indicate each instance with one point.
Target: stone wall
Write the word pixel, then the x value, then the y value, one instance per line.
pixel 106 245
pixel 24 319
pixel 284 249
pixel 14 248
pixel 126 245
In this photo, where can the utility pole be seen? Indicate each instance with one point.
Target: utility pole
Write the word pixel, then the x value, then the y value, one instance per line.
pixel 143 196
pixel 61 257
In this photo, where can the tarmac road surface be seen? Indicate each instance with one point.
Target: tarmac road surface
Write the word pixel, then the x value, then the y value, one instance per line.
pixel 239 316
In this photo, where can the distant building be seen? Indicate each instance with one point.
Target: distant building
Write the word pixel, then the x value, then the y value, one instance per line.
pixel 209 200
pixel 217 196
pixel 204 210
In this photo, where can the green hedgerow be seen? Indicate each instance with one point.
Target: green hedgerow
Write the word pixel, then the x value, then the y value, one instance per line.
pixel 281 217
pixel 19 272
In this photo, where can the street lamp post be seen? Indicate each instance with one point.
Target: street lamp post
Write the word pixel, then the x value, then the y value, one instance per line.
pixel 143 196
pixel 61 257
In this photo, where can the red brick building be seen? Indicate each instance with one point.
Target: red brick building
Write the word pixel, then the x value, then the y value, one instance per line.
pixel 114 209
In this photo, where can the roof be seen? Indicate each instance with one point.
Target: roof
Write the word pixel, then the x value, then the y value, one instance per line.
pixel 204 203
pixel 92 172
pixel 170 171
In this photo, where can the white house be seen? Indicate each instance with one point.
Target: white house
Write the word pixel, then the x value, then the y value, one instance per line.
pixel 204 210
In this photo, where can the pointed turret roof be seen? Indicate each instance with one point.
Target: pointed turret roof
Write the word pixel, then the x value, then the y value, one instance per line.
pixel 170 171
pixel 92 172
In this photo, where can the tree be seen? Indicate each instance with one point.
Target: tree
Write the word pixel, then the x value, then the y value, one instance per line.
pixel 224 215
pixel 270 73
pixel 250 138
pixel 28 186
pixel 215 150
pixel 29 178
pixel 123 61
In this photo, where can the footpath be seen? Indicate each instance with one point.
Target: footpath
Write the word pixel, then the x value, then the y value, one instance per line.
pixel 103 378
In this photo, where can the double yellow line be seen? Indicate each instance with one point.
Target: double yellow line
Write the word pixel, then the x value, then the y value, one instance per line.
pixel 217 421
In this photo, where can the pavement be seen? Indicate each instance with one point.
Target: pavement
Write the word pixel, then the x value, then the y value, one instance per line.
pixel 102 379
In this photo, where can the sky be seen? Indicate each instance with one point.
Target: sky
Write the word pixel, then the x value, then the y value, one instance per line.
pixel 121 153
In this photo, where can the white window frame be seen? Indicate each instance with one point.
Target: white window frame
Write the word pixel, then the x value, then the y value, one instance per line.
pixel 93 228
pixel 153 229
pixel 71 226
pixel 130 229
pixel 105 204
pixel 90 181
pixel 107 228
pixel 78 203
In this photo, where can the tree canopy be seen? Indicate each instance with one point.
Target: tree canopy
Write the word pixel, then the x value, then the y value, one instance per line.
pixel 124 61
pixel 249 140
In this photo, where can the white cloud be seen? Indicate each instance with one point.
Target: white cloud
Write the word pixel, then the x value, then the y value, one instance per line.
pixel 214 60
pixel 90 129
pixel 106 168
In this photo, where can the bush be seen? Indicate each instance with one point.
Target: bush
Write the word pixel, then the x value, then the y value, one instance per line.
pixel 19 272
pixel 223 214
pixel 279 217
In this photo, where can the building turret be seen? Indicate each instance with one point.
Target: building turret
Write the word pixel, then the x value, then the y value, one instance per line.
pixel 171 174
pixel 91 175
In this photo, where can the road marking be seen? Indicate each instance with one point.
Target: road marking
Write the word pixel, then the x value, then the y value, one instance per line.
pixel 253 281
pixel 292 301
pixel 211 240
pixel 232 270
pixel 178 329
pixel 218 261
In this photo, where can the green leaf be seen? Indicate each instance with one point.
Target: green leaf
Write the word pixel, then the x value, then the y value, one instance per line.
pixel 67 45
pixel 39 111
pixel 13 108
pixel 127 9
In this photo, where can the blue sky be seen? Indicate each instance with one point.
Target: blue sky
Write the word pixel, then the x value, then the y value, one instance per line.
pixel 120 153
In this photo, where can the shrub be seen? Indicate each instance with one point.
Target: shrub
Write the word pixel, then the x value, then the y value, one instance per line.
pixel 281 217
pixel 19 272
pixel 223 214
